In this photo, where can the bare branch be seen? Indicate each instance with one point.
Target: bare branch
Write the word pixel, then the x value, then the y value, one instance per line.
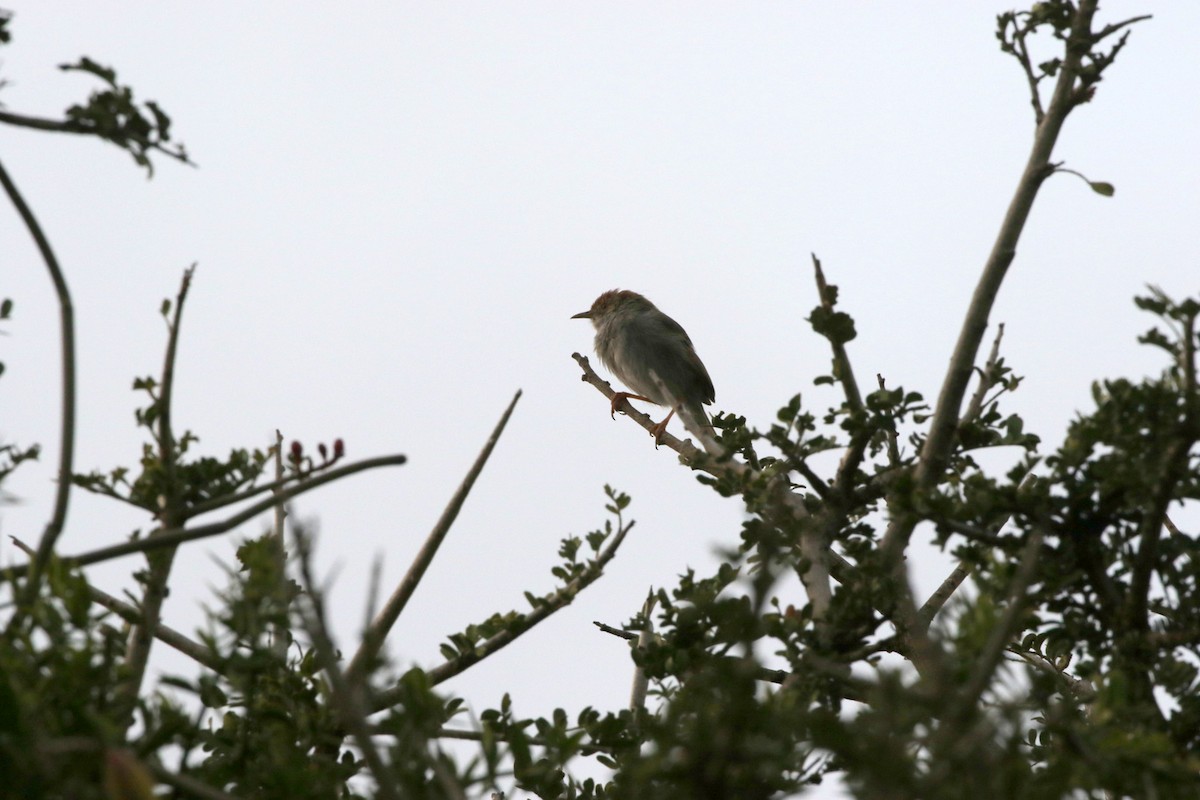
pixel 1174 467
pixel 943 593
pixel 280 637
pixel 66 453
pixel 687 451
pixel 166 434
pixel 374 636
pixel 815 481
pixel 942 427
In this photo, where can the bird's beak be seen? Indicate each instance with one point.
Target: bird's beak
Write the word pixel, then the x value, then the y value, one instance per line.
pixel 582 315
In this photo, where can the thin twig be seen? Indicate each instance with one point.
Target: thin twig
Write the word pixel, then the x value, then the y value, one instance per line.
pixel 628 636
pixel 170 538
pixel 987 379
pixel 1082 690
pixel 346 698
pixel 280 635
pixel 559 600
pixel 171 505
pixel 1109 30
pixel 374 636
pixel 212 504
pixel 943 593
pixel 938 599
pixel 841 361
pixel 1022 54
pixel 168 636
pixel 66 452
pixel 71 126
pixel 1003 630
pixel 477 736
pixel 892 444
pixel 641 682
pixel 187 784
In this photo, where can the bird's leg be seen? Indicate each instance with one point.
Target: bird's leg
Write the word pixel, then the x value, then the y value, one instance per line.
pixel 619 397
pixel 661 428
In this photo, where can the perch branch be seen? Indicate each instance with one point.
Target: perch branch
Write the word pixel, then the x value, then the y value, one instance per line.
pixel 714 462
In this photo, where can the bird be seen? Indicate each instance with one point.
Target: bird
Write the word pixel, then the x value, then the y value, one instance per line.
pixel 634 339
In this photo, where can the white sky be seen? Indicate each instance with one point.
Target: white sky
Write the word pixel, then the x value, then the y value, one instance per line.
pixel 399 206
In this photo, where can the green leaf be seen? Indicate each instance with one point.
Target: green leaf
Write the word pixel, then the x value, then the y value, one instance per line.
pixel 836 326
pixel 1100 187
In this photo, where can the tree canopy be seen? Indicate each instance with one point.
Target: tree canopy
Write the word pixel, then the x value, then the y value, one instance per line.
pixel 1057 659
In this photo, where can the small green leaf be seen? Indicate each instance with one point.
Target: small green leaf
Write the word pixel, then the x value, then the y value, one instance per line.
pixel 1100 187
pixel 6 308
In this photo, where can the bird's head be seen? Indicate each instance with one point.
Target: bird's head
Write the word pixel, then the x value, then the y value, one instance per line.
pixel 612 303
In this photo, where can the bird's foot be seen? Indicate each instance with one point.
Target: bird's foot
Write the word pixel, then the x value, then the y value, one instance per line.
pixel 622 397
pixel 660 430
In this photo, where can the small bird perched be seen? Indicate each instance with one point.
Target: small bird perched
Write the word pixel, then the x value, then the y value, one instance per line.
pixel 633 339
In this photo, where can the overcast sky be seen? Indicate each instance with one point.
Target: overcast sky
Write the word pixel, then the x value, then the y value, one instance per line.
pixel 399 206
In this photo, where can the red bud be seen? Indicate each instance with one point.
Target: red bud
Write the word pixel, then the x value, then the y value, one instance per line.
pixel 297 450
pixel 339 448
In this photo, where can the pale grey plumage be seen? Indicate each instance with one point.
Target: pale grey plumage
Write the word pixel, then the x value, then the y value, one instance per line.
pixel 634 338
